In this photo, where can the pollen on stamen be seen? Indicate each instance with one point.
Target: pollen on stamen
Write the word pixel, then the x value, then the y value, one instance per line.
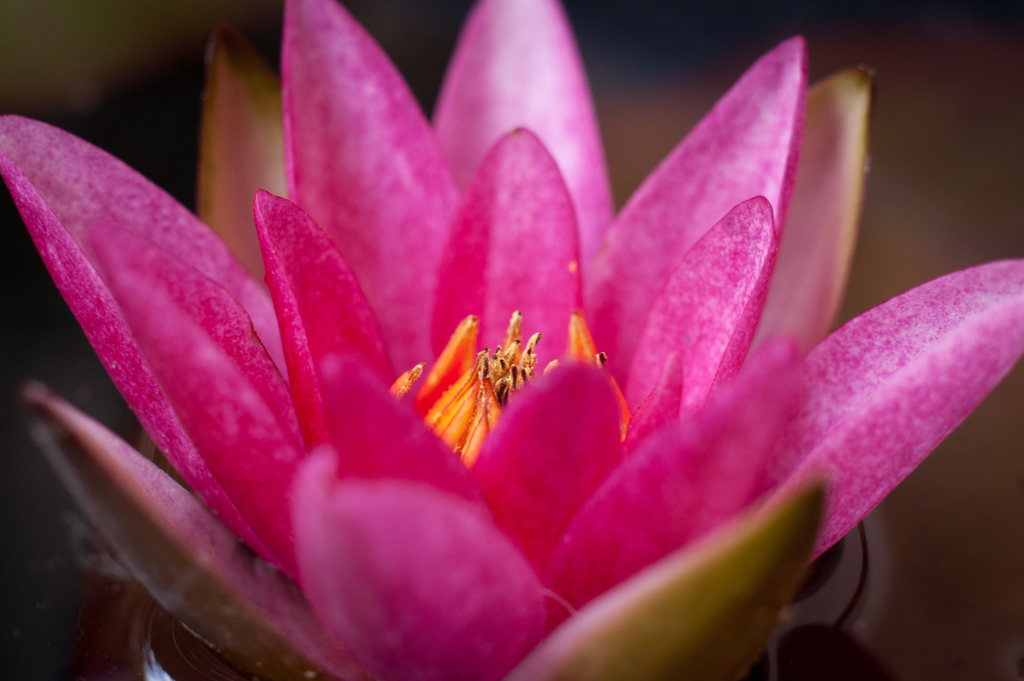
pixel 401 386
pixel 462 397
pixel 462 411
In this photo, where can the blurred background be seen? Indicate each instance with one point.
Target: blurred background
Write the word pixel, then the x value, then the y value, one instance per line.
pixel 944 595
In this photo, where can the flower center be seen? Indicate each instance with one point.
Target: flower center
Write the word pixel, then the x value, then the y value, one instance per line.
pixel 462 396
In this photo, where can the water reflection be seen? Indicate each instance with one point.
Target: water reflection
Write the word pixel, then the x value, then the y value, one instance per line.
pixel 817 637
pixel 124 635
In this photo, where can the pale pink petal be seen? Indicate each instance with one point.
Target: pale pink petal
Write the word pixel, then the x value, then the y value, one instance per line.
pixel 221 383
pixel 516 65
pixel 51 171
pixel 105 327
pixel 815 253
pixel 319 304
pixel 660 408
pixel 417 583
pixel 553 446
pixel 187 560
pixel 512 247
pixel 746 146
pixel 366 166
pixel 241 143
pixel 709 308
pixel 880 393
pixel 681 483
pixel 376 436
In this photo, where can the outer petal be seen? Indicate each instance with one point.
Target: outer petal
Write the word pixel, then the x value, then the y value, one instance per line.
pixel 418 583
pixel 881 392
pixel 190 562
pixel 814 255
pixel 660 408
pixel 553 446
pixel 512 247
pixel 378 437
pixel 746 146
pixel 516 65
pixel 223 386
pixel 709 308
pixel 58 178
pixel 319 304
pixel 105 327
pixel 241 145
pixel 705 612
pixel 680 484
pixel 364 163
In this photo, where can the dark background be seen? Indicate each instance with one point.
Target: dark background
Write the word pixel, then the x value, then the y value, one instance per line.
pixel 945 596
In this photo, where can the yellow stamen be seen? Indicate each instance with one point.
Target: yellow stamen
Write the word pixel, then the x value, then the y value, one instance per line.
pixel 463 395
pixel 401 386
pixel 467 407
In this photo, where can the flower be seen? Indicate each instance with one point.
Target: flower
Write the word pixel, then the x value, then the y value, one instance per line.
pixel 417 565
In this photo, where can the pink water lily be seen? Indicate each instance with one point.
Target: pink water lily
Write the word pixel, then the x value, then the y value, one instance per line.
pixel 500 521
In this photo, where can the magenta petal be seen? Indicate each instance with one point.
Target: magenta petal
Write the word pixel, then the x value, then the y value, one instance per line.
pixel 516 65
pixel 746 146
pixel 221 383
pixel 660 408
pixel 553 446
pixel 105 327
pixel 681 483
pixel 51 169
pixel 709 308
pixel 366 166
pixel 417 583
pixel 512 247
pixel 319 304
pixel 377 436
pixel 880 393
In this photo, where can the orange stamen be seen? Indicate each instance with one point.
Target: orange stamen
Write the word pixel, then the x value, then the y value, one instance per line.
pixel 401 386
pixel 583 349
pixel 456 359
pixel 462 396
pixel 581 343
pixel 469 406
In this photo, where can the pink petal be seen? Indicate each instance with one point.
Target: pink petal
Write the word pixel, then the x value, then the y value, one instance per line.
pixel 660 408
pixel 105 327
pixel 232 402
pixel 746 146
pixel 191 563
pixel 319 304
pixel 377 436
pixel 681 483
pixel 81 185
pixel 417 583
pixel 364 163
pixel 512 247
pixel 709 308
pixel 814 255
pixel 241 144
pixel 553 446
pixel 879 394
pixel 516 65
pixel 704 612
